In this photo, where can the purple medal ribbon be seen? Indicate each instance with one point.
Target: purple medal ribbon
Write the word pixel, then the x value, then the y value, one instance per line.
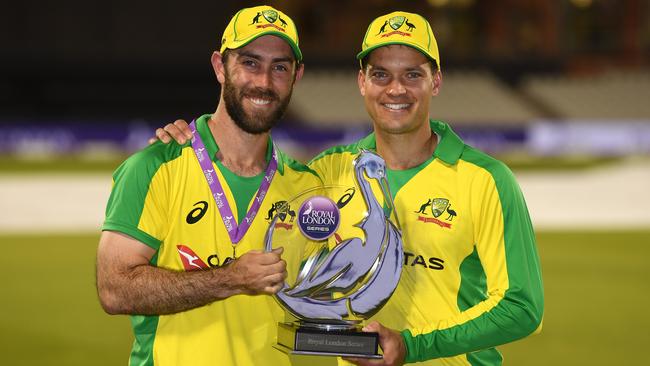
pixel 236 232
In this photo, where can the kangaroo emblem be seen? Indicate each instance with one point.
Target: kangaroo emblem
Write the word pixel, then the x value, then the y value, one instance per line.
pixel 257 18
pixel 424 206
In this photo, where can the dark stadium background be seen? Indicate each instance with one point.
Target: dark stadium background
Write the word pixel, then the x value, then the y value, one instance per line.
pixel 558 89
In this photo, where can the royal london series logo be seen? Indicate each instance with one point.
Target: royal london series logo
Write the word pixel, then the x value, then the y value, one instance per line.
pixel 286 215
pixel 319 218
pixel 440 209
pixel 396 23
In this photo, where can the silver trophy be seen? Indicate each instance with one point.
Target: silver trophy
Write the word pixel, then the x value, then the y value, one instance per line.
pixel 344 258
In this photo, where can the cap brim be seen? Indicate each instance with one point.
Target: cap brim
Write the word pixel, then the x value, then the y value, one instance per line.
pixel 292 44
pixel 365 52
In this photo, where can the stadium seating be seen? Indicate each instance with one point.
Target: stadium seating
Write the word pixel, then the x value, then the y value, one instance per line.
pixel 609 96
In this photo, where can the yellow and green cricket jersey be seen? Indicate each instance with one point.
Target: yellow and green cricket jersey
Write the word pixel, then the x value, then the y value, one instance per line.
pixel 471 278
pixel 161 198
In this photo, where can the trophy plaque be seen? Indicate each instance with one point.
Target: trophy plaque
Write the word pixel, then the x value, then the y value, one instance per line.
pixel 344 259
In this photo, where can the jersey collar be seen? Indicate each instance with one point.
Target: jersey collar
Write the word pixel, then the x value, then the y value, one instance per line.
pixel 212 147
pixel 449 149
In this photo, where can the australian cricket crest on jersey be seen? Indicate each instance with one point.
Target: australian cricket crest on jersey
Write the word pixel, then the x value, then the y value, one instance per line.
pixel 438 206
pixel 284 212
pixel 440 210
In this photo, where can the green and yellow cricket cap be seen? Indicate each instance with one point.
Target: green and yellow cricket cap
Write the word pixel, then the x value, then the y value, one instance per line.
pixel 251 23
pixel 403 28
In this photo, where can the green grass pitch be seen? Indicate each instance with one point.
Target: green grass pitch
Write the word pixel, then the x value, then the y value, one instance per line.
pixel 597 288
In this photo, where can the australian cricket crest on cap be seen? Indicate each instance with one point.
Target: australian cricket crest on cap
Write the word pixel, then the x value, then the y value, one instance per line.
pixel 270 15
pixel 396 21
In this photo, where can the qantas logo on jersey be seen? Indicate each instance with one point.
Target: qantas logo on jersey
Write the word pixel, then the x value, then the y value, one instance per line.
pixel 418 260
pixel 440 209
pixel 192 262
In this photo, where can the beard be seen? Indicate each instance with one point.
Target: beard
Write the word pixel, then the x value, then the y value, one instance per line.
pixel 253 123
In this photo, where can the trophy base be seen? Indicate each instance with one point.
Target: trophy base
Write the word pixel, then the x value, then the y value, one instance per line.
pixel 326 340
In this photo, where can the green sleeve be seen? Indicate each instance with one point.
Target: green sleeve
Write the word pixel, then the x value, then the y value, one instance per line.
pixel 510 313
pixel 138 202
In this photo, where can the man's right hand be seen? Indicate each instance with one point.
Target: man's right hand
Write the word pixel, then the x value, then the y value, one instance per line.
pixel 257 272
pixel 179 131
pixel 128 284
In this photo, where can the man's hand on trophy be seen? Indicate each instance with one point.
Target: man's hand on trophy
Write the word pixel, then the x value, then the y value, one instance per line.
pixel 179 131
pixel 258 272
pixel 391 343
